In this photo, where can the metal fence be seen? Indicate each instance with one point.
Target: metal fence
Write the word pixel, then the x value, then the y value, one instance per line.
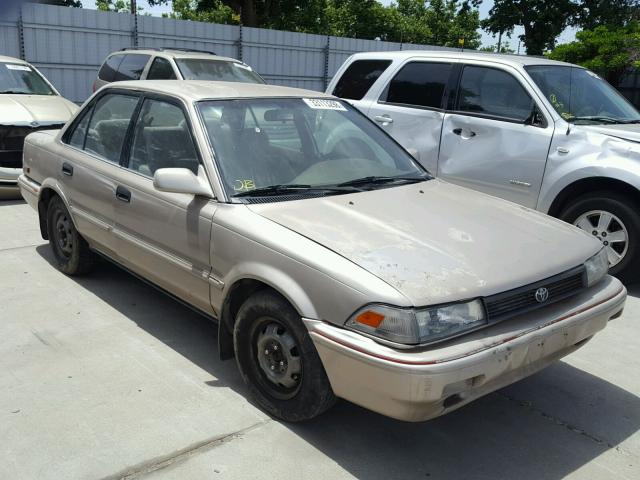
pixel 69 44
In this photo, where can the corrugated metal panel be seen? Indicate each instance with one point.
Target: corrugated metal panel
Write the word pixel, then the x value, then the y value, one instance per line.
pixel 68 45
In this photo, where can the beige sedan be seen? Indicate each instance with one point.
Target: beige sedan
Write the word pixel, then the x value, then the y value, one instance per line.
pixel 335 265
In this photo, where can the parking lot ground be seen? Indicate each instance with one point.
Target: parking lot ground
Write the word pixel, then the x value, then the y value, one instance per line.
pixel 104 377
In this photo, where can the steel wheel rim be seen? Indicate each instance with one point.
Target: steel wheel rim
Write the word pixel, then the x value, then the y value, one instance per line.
pixel 63 234
pixel 278 359
pixel 609 229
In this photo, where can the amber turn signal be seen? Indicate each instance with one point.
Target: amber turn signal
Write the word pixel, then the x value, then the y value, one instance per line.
pixel 372 319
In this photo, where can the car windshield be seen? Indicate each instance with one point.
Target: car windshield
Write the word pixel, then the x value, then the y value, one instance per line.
pixel 18 78
pixel 268 146
pixel 581 96
pixel 220 70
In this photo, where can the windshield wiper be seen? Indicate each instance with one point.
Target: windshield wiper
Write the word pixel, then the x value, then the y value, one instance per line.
pixel 596 118
pixel 377 180
pixel 284 188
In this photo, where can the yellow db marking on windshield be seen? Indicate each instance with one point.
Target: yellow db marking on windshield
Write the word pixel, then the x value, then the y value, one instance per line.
pixel 243 185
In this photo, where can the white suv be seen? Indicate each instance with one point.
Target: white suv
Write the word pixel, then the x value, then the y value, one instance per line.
pixel 172 64
pixel 548 135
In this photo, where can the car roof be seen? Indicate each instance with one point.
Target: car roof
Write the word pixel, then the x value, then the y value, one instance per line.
pixel 167 52
pixel 194 90
pixel 6 59
pixel 513 60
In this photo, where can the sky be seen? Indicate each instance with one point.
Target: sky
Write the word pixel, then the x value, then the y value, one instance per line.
pixel 567 36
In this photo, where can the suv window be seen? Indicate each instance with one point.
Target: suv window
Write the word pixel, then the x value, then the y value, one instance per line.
pixel 131 67
pixel 493 92
pixel 358 78
pixel 419 83
pixel 162 139
pixel 109 68
pixel 161 69
pixel 108 125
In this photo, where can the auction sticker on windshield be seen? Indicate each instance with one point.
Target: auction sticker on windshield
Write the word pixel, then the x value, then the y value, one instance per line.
pixel 321 104
pixel 22 68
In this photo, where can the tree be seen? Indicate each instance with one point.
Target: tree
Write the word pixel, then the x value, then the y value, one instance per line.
pixel 504 48
pixel 608 51
pixel 120 6
pixel 593 13
pixel 542 20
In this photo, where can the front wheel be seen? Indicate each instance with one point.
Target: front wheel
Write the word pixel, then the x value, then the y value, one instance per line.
pixel 278 360
pixel 614 221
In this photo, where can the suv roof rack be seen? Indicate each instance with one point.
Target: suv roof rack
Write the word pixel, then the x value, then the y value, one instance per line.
pixel 162 49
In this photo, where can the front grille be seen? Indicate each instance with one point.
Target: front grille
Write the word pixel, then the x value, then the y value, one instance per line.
pixel 12 142
pixel 523 299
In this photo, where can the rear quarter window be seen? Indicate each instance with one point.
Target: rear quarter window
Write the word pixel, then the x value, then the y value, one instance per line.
pixel 109 68
pixel 359 77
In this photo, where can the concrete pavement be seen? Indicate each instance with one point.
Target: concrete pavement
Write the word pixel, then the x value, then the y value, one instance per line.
pixel 104 377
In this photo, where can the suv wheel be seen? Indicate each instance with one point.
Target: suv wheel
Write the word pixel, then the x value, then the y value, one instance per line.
pixel 278 360
pixel 613 220
pixel 71 251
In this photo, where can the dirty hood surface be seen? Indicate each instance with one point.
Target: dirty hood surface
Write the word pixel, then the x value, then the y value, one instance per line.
pixel 436 242
pixel 629 132
pixel 24 109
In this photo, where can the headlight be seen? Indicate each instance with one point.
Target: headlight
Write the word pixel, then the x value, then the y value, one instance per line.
pixel 418 326
pixel 596 267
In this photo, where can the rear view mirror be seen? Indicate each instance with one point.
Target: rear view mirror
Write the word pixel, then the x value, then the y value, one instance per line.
pixel 181 180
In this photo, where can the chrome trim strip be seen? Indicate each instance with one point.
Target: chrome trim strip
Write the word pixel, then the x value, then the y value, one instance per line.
pixel 90 218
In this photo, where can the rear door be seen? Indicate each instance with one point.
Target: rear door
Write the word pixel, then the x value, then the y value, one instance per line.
pixel 165 237
pixel 93 147
pixel 495 138
pixel 411 109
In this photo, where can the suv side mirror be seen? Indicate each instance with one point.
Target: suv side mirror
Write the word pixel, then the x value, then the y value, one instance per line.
pixel 181 180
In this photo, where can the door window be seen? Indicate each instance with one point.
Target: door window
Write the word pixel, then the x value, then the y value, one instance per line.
pixel 76 139
pixel 419 84
pixel 161 69
pixel 131 67
pixel 493 92
pixel 108 125
pixel 162 139
pixel 359 77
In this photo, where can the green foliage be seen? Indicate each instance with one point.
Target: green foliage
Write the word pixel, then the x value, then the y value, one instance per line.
pixel 504 48
pixel 120 6
pixel 435 22
pixel 608 51
pixel 593 13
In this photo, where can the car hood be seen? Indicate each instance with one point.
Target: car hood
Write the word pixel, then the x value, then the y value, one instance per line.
pixel 44 109
pixel 625 132
pixel 436 242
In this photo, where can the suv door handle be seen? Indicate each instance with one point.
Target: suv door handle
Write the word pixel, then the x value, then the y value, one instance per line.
pixel 458 131
pixel 383 119
pixel 67 169
pixel 123 194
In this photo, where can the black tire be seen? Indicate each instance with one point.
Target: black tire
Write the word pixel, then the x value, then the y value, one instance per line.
pixel 70 250
pixel 300 397
pixel 628 268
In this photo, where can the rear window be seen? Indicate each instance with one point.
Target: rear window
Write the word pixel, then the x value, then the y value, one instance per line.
pixel 419 84
pixel 358 78
pixel 131 67
pixel 109 68
pixel 161 69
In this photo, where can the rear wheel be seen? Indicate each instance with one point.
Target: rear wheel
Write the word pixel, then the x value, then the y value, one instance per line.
pixel 278 360
pixel 614 221
pixel 71 251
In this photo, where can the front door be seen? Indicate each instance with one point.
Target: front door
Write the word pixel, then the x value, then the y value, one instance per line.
pixel 410 108
pixel 496 139
pixel 163 236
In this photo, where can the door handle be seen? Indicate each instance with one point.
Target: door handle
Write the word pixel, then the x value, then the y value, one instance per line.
pixel 67 169
pixel 383 119
pixel 123 194
pixel 458 131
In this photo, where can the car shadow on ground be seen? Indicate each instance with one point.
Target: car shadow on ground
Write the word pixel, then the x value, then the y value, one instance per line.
pixel 545 426
pixel 11 202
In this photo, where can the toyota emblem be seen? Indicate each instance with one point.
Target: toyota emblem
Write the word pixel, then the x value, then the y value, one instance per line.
pixel 542 295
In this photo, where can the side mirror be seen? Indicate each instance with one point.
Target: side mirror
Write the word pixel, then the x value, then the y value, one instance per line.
pixel 181 180
pixel 414 153
pixel 536 118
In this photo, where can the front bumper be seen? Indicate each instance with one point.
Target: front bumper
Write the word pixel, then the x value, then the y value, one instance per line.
pixel 419 385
